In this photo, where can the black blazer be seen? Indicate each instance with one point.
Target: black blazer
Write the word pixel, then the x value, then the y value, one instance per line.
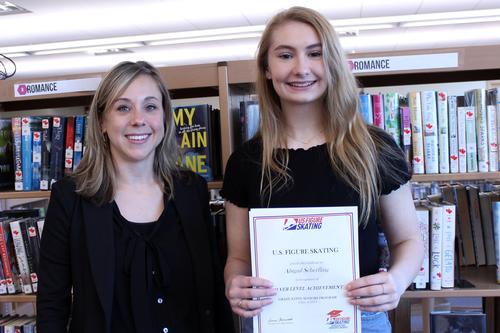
pixel 77 258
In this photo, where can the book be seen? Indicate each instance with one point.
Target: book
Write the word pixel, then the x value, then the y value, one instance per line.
pixel 476 98
pixel 194 138
pixel 462 135
pixel 417 133
pixel 421 281
pixel 70 145
pixel 365 107
pixel 57 149
pixel 491 109
pixel 6 259
pixel 405 129
pixel 457 321
pixel 464 226
pixel 443 140
pixel 448 246
pixel 485 201
pixel 17 153
pixel 476 227
pixel 29 236
pixel 22 260
pixel 6 157
pixel 26 152
pixel 378 110
pixel 79 138
pixel 436 243
pixel 36 160
pixel 453 133
pixel 495 208
pixel 45 153
pixel 429 121
pixel 392 116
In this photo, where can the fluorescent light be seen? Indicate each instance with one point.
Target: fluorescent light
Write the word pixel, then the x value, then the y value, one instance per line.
pixel 452 21
pixel 364 27
pixel 204 39
pixel 16 55
pixel 88 49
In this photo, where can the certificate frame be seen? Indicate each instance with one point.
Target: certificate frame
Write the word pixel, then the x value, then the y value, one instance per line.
pixel 302 250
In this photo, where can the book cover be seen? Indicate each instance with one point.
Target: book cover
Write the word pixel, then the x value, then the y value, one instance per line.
pixel 476 227
pixel 491 110
pixel 421 281
pixel 392 116
pixel 436 239
pixel 405 129
pixel 464 226
pixel 485 201
pixel 470 139
pixel 378 110
pixel 462 135
pixel 6 262
pixel 6 157
pixel 17 152
pixel 457 322
pixel 453 133
pixel 448 246
pixel 79 137
pixel 429 121
pixel 22 260
pixel 417 132
pixel 365 107
pixel 495 207
pixel 26 153
pixel 476 98
pixel 70 145
pixel 193 136
pixel 30 252
pixel 57 149
pixel 45 154
pixel 443 140
pixel 36 160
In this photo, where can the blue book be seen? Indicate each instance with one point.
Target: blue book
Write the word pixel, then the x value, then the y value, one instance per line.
pixel 79 137
pixel 26 153
pixel 37 160
pixel 365 108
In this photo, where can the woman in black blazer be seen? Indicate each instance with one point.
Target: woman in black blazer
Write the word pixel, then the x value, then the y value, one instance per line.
pixel 127 243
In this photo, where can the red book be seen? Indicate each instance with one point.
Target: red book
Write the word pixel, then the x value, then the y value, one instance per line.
pixel 70 145
pixel 378 111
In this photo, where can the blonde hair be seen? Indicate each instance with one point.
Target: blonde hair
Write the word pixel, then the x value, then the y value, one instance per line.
pixel 95 175
pixel 351 149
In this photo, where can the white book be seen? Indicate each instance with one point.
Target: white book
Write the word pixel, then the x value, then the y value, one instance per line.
pixel 429 117
pixel 22 260
pixel 462 141
pixel 422 278
pixel 416 132
pixel 470 138
pixel 477 99
pixel 436 232
pixel 448 247
pixel 443 141
pixel 491 109
pixel 453 133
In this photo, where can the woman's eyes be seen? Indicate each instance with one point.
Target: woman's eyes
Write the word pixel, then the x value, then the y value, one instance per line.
pixel 126 108
pixel 315 54
pixel 123 108
pixel 312 54
pixel 151 107
pixel 285 55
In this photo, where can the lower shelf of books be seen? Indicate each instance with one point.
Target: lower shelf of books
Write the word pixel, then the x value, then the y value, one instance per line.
pixel 482 278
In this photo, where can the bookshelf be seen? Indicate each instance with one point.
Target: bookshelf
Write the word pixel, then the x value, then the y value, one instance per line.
pixel 233 82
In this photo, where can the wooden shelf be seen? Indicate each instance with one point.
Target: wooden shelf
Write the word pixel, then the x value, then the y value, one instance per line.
pixel 18 298
pixel 456 176
pixel 483 279
pixel 46 194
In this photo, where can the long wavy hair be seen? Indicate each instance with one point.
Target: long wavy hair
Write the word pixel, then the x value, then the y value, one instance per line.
pixel 95 176
pixel 351 148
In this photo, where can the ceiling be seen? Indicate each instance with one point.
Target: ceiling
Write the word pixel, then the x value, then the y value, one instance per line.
pixel 55 21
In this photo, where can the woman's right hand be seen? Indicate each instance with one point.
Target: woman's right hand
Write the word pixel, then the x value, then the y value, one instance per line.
pixel 248 295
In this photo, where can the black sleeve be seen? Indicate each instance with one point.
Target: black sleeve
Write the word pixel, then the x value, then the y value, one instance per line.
pixel 235 177
pixel 54 278
pixel 223 315
pixel 393 167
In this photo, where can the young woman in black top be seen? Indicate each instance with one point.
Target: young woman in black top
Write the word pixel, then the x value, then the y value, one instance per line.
pixel 127 243
pixel 313 149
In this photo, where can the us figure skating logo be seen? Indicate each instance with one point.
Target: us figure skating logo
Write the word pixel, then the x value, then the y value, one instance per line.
pixel 303 223
pixel 335 320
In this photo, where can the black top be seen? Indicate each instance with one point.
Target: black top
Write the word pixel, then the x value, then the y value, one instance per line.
pixel 154 282
pixel 314 185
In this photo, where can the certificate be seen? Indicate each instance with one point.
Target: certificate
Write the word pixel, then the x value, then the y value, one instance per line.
pixel 309 254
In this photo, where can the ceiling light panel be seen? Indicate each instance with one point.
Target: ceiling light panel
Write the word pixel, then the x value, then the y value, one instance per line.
pixel 9 8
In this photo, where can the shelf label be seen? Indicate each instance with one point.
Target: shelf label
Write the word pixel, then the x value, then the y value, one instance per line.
pixel 403 63
pixel 55 87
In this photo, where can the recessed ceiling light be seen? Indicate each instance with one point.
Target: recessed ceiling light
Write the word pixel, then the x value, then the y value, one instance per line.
pixel 8 8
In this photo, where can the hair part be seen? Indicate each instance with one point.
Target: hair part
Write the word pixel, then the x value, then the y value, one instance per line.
pixel 95 176
pixel 352 151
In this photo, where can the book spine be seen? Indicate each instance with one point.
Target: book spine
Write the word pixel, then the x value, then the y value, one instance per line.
pixel 392 116
pixel 29 254
pixel 9 278
pixel 70 145
pixel 481 130
pixel 443 140
pixel 3 281
pixel 470 139
pixel 406 132
pixel 37 160
pixel 378 111
pixel 436 245
pixel 365 108
pixel 417 134
pixel 429 116
pixel 497 95
pixel 46 148
pixel 491 109
pixel 57 149
pixel 453 131
pixel 26 146
pixel 475 222
pixel 448 248
pixel 422 278
pixel 496 229
pixel 17 152
pixel 22 260
pixel 79 133
pixel 462 139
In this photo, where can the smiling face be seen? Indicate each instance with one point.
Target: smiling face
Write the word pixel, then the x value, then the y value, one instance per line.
pixel 134 122
pixel 295 65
